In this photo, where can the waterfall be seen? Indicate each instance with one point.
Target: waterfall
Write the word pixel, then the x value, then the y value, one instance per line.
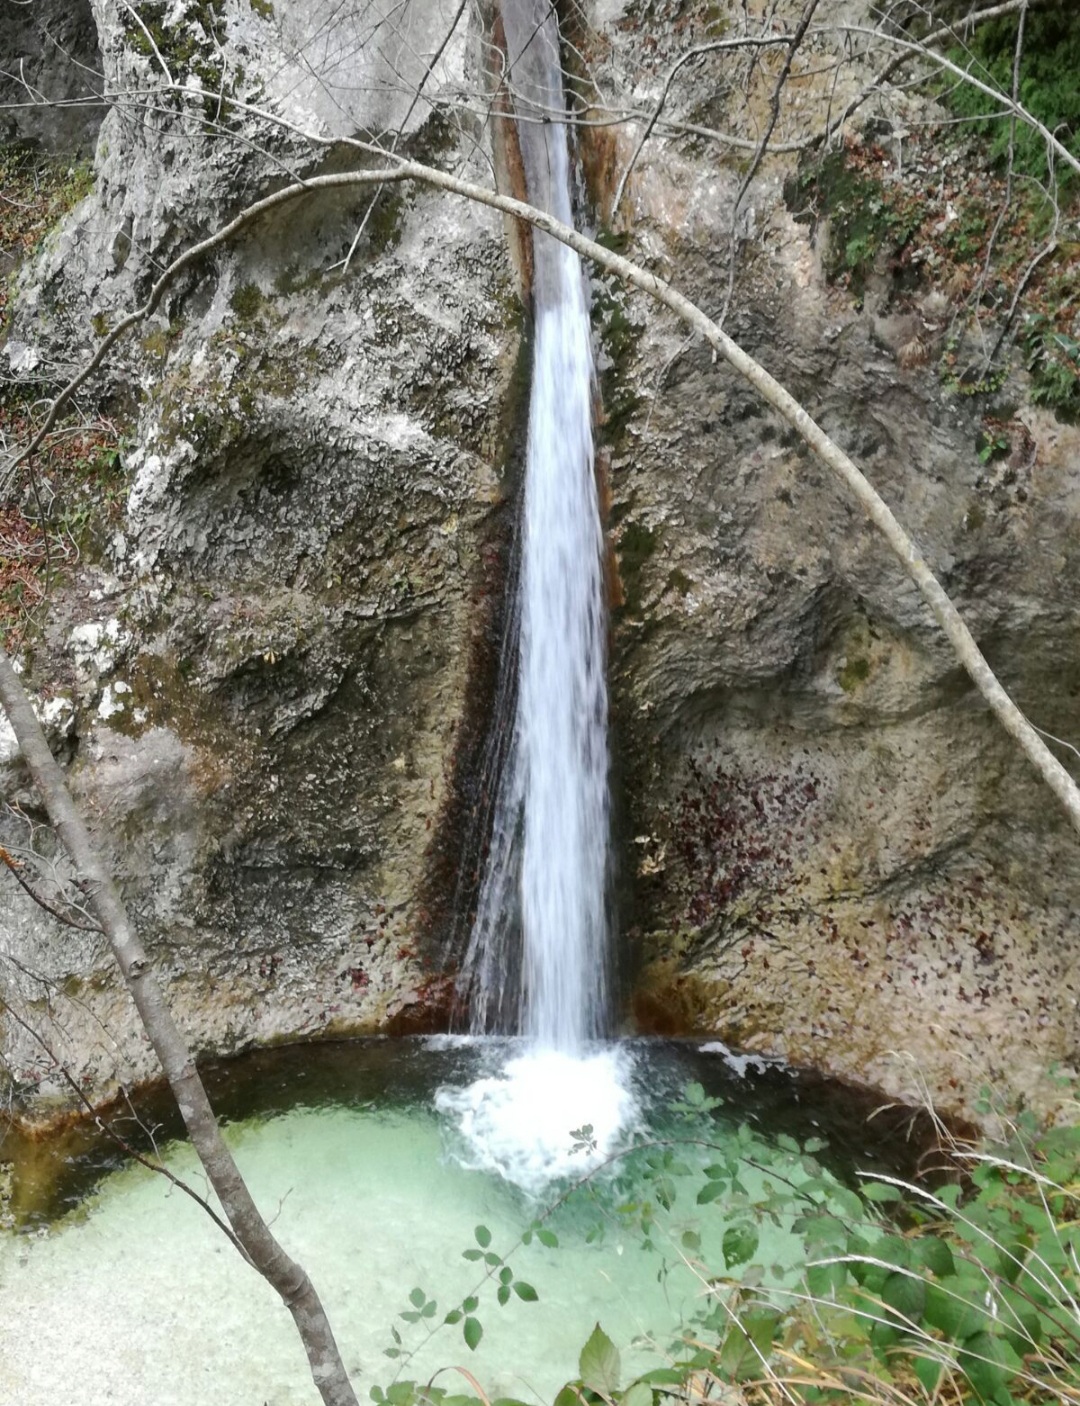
pixel 547 864
pixel 544 885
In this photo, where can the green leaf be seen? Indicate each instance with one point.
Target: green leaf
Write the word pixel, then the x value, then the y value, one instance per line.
pixel 951 1313
pixel 981 1361
pixel 503 1294
pixel 548 1238
pixel 882 1337
pixel 848 1203
pixel 747 1344
pixel 739 1244
pixel 935 1255
pixel 691 1241
pixel 473 1332
pixel 711 1191
pixel 492 1258
pixel 881 1191
pixel 525 1291
pixel 822 1229
pixel 1022 1321
pixel 663 1376
pixel 599 1363
pixel 473 1254
pixel 469 1304
pixel 905 1294
pixel 823 1279
pixel 928 1370
pixel 483 1236
pixel 454 1316
pixel 417 1298
pixel 568 1396
pixel 637 1395
pixel 505 1274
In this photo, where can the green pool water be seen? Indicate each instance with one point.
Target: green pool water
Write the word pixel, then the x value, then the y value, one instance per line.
pixel 131 1295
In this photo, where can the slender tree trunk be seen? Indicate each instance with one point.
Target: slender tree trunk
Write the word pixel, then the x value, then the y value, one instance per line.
pixel 830 454
pixel 259 1245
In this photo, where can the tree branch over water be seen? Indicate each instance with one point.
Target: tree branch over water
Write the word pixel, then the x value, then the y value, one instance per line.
pixel 831 455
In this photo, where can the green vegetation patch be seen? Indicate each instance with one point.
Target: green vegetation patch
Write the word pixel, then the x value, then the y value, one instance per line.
pixel 39 189
pixel 962 1291
pixel 867 216
pixel 1049 87
pixel 190 48
pixel 1001 256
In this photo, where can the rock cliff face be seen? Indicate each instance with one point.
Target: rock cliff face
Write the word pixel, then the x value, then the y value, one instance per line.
pixel 272 678
pixel 833 853
pixel 267 669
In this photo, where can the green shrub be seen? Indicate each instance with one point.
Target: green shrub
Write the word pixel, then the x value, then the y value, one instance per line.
pixel 1049 86
pixel 967 1295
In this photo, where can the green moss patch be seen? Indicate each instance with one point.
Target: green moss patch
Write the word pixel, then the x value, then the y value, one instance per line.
pixel 969 236
pixel 39 189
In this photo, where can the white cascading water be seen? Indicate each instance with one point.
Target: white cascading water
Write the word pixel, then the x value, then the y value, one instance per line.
pixel 550 835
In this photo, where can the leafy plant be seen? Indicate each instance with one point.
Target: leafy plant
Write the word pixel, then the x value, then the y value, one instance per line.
pixel 966 1294
pixel 1048 89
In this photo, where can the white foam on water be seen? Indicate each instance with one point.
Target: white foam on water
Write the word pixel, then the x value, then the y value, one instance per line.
pixel 740 1063
pixel 519 1123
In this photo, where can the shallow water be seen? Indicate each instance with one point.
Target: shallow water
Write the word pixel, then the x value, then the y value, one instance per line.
pixel 134 1296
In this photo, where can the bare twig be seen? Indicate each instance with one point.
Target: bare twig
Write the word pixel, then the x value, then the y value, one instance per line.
pixel 759 155
pixel 699 51
pixel 16 869
pixel 110 1131
pixel 284 1274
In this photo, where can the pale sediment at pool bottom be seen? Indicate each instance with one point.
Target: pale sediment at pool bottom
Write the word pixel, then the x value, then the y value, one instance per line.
pixel 136 1296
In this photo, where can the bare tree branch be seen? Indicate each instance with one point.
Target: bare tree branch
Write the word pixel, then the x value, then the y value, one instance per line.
pixel 774 116
pixel 42 902
pixel 110 1131
pixel 942 608
pixel 1003 100
pixel 770 40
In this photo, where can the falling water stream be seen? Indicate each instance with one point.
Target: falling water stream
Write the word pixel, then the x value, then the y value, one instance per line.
pixel 547 867
pixel 553 800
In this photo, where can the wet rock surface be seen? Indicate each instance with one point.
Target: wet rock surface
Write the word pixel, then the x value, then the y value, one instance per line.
pixel 267 667
pixel 267 679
